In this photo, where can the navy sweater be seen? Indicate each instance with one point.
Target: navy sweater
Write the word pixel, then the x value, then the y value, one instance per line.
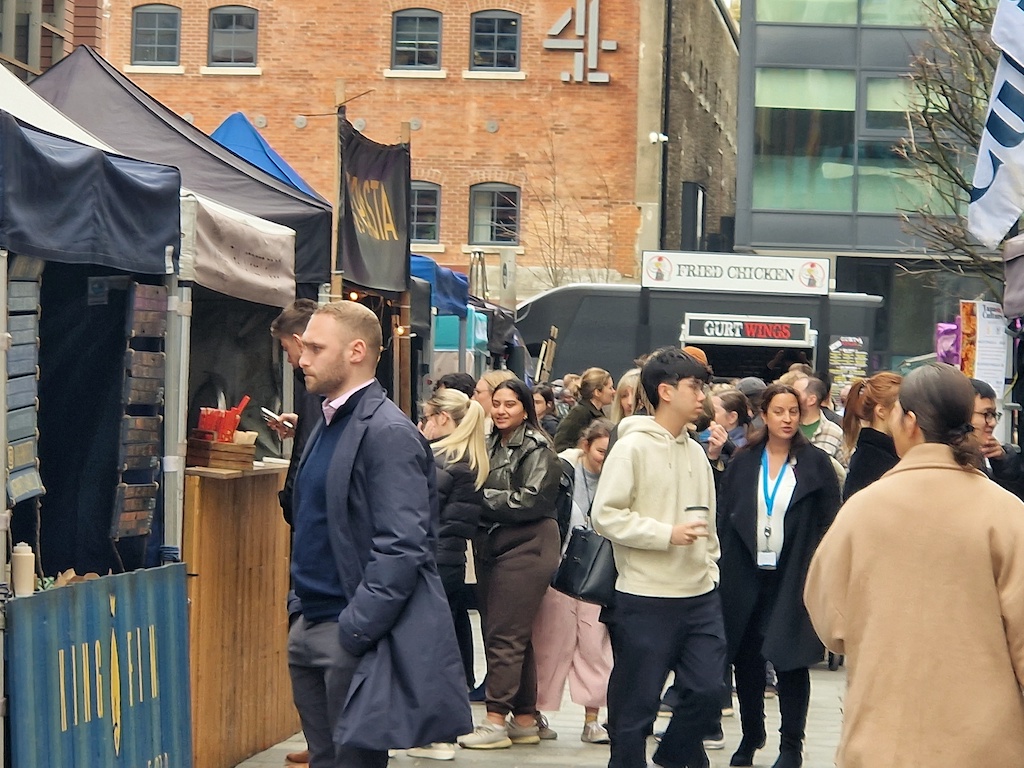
pixel 314 574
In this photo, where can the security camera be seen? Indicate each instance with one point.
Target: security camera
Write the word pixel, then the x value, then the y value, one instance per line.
pixel 657 138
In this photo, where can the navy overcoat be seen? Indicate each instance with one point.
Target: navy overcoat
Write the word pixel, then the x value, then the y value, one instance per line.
pixel 409 688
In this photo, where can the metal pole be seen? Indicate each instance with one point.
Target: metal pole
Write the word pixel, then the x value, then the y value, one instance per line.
pixel 179 344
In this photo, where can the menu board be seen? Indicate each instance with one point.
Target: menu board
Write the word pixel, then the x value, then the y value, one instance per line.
pixel 983 342
pixel 847 361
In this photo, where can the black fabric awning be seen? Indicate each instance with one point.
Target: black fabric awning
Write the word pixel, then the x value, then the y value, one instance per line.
pixel 63 201
pixel 94 94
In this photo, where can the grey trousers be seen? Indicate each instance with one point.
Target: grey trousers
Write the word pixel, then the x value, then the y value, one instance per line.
pixel 321 672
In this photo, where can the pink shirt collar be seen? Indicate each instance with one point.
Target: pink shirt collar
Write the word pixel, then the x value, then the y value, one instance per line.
pixel 331 407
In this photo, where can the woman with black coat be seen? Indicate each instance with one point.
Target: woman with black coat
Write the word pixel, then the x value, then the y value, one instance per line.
pixel 866 429
pixel 779 496
pixel 454 424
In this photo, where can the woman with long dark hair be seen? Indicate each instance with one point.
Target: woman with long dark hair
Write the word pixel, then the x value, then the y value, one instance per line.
pixel 866 429
pixel 779 496
pixel 516 551
pixel 919 584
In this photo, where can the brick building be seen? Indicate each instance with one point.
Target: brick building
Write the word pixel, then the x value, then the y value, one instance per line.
pixel 531 120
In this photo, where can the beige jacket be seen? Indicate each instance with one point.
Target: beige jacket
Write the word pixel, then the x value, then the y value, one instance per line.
pixel 648 481
pixel 920 582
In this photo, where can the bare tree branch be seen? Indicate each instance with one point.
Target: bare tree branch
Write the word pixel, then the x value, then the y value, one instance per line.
pixel 951 78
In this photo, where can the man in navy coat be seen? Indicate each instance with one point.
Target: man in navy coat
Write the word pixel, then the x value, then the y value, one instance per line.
pixel 373 658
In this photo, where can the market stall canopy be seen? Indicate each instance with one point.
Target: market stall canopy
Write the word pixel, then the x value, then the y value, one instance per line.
pixel 94 94
pixel 218 233
pixel 67 202
pixel 241 137
pixel 450 289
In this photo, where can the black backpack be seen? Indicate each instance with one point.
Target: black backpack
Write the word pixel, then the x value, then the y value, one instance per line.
pixel 563 501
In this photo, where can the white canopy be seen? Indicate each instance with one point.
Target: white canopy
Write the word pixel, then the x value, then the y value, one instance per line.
pixel 222 249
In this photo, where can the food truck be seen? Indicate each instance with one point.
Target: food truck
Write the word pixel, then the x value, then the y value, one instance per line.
pixel 752 315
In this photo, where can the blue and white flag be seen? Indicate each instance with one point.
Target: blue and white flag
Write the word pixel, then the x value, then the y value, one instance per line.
pixel 1008 29
pixel 997 199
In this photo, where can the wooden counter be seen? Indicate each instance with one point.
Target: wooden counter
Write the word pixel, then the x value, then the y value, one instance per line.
pixel 237 543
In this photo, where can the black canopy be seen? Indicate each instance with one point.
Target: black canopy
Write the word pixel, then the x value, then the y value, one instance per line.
pixel 63 201
pixel 103 101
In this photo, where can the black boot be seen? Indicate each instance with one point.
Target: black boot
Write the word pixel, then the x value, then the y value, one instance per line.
pixel 744 754
pixel 790 756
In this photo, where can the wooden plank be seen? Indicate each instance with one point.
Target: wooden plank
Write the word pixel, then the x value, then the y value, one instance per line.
pixel 237 541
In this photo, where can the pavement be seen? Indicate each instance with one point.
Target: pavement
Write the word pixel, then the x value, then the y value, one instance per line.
pixel 824 723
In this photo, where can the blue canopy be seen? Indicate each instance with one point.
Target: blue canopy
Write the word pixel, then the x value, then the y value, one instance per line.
pixel 450 289
pixel 241 137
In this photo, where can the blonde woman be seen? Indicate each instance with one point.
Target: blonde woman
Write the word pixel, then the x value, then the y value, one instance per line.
pixel 454 424
pixel 625 395
pixel 597 390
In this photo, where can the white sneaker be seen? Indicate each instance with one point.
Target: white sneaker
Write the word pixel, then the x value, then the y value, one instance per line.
pixel 487 735
pixel 436 751
pixel 594 733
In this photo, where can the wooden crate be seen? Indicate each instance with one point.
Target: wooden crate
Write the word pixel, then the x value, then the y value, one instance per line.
pixel 208 453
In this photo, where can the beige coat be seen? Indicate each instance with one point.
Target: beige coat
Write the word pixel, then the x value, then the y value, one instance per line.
pixel 920 582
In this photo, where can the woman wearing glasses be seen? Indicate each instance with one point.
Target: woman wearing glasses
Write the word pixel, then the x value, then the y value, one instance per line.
pixel 921 574
pixel 779 495
pixel 1000 462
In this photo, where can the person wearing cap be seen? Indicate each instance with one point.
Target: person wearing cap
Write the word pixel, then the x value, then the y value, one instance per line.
pixel 752 387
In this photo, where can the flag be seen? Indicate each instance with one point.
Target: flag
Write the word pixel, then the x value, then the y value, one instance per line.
pixel 997 199
pixel 373 223
pixel 1008 29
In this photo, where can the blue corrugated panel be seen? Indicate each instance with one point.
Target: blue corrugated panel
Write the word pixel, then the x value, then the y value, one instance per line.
pixel 99 675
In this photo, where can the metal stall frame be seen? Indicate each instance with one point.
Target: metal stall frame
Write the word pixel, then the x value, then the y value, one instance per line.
pixel 179 330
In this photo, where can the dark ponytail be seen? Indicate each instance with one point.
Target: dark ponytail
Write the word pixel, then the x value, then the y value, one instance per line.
pixel 942 398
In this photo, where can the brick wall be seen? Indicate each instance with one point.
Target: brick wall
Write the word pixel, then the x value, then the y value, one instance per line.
pixel 578 139
pixel 701 113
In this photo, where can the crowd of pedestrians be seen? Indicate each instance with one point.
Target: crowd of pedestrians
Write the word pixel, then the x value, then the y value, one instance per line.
pixel 716 496
pixel 753 525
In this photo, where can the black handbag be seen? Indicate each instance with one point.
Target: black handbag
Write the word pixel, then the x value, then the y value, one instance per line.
pixel 587 571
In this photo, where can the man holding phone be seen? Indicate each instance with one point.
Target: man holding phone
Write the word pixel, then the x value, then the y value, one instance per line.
pixel 656 504
pixel 287 328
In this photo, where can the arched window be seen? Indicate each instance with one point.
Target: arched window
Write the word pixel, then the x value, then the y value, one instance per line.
pixel 233 31
pixel 494 214
pixel 156 35
pixel 416 39
pixel 495 40
pixel 425 212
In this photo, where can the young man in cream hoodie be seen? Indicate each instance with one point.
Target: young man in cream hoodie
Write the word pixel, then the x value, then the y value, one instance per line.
pixel 656 504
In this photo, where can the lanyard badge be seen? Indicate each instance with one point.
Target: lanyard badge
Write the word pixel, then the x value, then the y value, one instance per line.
pixel 767 559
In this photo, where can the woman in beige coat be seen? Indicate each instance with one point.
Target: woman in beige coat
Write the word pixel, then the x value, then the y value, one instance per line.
pixel 920 582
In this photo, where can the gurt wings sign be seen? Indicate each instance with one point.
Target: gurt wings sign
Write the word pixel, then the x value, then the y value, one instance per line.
pixel 373 229
pixel 746 330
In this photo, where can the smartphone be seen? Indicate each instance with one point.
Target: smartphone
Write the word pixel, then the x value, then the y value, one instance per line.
pixel 269 415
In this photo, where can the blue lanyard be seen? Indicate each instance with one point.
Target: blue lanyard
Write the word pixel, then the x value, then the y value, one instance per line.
pixel 769 499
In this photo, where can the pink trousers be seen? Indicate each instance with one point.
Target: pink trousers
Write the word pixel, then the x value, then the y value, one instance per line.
pixel 570 643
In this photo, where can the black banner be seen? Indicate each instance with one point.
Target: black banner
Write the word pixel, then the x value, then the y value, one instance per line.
pixel 373 227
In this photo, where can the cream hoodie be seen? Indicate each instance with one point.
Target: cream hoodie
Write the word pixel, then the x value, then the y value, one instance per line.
pixel 648 481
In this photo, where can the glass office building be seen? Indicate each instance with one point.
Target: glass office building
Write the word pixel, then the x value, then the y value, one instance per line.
pixel 823 101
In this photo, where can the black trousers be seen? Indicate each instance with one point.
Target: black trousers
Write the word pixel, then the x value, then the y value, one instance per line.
pixel 453 578
pixel 794 685
pixel 650 637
